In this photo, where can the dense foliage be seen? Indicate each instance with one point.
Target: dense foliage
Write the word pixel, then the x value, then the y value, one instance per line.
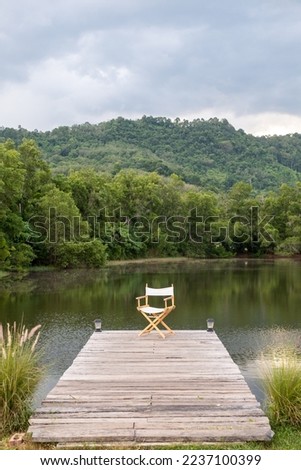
pixel 210 154
pixel 82 218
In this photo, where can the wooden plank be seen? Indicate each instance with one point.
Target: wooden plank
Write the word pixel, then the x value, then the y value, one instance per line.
pixel 125 388
pixel 143 422
pixel 203 412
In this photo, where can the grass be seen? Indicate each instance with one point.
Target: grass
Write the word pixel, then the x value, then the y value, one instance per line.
pixel 41 269
pixel 20 373
pixel 282 384
pixel 285 438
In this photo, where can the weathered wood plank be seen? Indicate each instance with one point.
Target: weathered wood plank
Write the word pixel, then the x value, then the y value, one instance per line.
pixel 203 412
pixel 125 388
pixel 143 421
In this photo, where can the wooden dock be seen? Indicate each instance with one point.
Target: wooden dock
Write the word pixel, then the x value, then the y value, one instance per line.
pixel 123 389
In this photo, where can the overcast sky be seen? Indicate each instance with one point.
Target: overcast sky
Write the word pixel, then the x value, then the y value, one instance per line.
pixel 66 62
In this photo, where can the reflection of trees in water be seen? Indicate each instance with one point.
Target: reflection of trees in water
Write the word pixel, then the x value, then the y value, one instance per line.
pixel 237 293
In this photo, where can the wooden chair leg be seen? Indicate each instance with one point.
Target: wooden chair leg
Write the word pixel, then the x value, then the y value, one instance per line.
pixel 159 321
pixel 154 322
pixel 150 327
pixel 167 327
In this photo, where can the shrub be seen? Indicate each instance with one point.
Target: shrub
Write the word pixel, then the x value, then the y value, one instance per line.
pixel 20 374
pixel 91 254
pixel 282 383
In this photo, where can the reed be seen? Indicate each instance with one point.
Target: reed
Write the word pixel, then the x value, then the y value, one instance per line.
pixel 20 373
pixel 282 384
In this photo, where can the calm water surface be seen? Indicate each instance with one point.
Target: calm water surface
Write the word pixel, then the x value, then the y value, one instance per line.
pixel 255 304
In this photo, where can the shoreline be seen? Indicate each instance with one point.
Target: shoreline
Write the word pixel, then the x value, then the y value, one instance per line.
pixel 151 261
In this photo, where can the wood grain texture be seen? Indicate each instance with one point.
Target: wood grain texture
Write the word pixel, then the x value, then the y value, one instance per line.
pixel 122 388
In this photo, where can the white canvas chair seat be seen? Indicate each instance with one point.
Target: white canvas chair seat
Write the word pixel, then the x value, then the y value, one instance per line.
pixel 155 315
pixel 151 310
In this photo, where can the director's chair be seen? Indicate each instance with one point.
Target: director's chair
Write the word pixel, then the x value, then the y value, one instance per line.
pixel 154 315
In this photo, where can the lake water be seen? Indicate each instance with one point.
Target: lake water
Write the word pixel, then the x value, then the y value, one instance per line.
pixel 255 305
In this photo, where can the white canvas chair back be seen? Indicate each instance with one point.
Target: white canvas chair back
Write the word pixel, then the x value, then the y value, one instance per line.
pixel 163 292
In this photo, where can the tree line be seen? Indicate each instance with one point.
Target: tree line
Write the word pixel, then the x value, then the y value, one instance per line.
pixel 85 217
pixel 207 153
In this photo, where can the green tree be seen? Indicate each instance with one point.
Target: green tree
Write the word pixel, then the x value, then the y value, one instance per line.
pixel 36 178
pixel 286 208
pixel 90 191
pixel 64 237
pixel 15 253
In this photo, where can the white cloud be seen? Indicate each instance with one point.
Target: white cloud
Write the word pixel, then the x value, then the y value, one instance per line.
pixel 269 123
pixel 75 61
pixel 57 94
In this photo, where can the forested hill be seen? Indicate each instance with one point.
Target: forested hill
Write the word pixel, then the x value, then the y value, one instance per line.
pixel 209 153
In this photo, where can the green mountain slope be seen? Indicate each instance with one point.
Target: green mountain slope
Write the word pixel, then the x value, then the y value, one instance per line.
pixel 211 153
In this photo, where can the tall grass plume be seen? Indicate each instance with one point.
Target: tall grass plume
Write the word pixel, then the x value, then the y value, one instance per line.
pixel 282 384
pixel 20 374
